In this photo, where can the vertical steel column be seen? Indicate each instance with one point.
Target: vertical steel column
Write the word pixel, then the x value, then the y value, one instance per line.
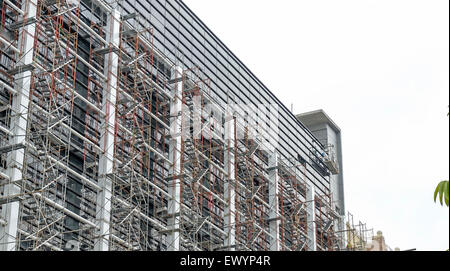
pixel 106 161
pixel 274 213
pixel 230 184
pixel 311 217
pixel 174 204
pixel 19 122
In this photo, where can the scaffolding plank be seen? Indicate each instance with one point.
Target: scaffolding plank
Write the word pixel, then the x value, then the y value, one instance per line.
pixel 103 51
pixel 21 69
pixel 174 81
pixel 22 23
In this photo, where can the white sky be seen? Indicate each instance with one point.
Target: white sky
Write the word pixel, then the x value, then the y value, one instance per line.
pixel 380 69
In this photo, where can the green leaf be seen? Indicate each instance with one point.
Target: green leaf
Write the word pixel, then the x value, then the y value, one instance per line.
pixel 446 192
pixel 442 191
pixel 436 192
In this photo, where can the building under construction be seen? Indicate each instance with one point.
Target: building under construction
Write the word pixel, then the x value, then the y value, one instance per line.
pixel 105 143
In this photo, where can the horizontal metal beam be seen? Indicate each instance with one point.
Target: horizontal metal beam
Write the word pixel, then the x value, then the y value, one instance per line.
pixel 20 24
pixel 21 69
pixel 11 148
pixel 12 198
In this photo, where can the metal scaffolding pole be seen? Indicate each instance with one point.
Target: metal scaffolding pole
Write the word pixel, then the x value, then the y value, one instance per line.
pixel 106 162
pixel 19 123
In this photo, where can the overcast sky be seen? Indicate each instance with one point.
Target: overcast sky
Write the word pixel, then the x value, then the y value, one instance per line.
pixel 380 69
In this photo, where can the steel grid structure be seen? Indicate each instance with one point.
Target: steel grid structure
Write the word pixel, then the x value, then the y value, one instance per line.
pixel 94 153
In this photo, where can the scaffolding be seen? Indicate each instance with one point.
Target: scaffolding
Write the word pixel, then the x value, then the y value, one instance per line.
pixel 358 234
pixel 97 150
pixel 295 208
